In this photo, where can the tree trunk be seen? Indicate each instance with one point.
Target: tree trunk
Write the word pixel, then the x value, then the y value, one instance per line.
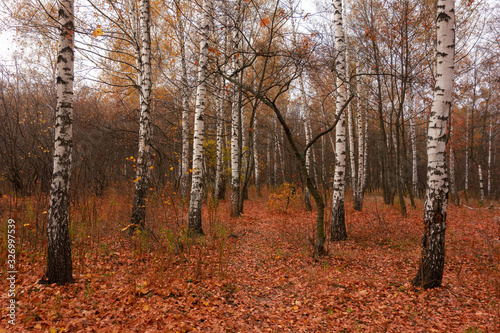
pixel 276 155
pixel 307 126
pixel 399 176
pixel 453 183
pixel 481 187
pixel 185 110
pixel 195 223
pixel 490 142
pixel 268 159
pixel 255 134
pixel 414 173
pixel 144 157
pixel 249 166
pixel 338 229
pixel 281 156
pixel 236 119
pixel 59 264
pixel 219 183
pixel 351 136
pixel 358 195
pixel 430 271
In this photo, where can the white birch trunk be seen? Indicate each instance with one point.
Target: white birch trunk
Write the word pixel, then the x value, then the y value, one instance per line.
pixel 59 264
pixel 307 131
pixel 358 195
pixel 220 141
pixel 276 154
pixel 281 156
pixel 144 156
pixel 481 187
pixel 235 120
pixel 255 135
pixel 323 159
pixel 268 158
pixel 414 173
pixel 430 272
pixel 184 179
pixel 490 142
pixel 365 150
pixel 338 228
pixel 453 183
pixel 195 223
pixel 351 135
pixel 467 155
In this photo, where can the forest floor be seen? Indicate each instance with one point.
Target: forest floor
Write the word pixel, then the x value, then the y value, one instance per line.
pixel 255 273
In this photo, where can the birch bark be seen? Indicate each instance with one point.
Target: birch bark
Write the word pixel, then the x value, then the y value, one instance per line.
pixel 59 264
pixel 255 135
pixel 194 219
pixel 414 173
pixel 144 157
pixel 490 141
pixel 220 141
pixel 359 193
pixel 481 187
pixel 338 229
pixel 430 271
pixel 185 108
pixel 236 118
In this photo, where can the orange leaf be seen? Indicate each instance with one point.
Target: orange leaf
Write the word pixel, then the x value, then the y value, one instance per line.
pixel 265 21
pixel 69 33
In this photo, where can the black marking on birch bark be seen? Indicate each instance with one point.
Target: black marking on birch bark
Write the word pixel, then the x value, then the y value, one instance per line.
pixel 67 49
pixel 443 17
pixel 62 13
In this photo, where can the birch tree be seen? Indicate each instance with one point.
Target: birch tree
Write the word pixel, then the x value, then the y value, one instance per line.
pixel 338 230
pixel 184 178
pixel 255 135
pixel 358 189
pixel 413 137
pixel 194 223
pixel 481 187
pixel 430 271
pixel 219 182
pixel 236 116
pixel 59 264
pixel 144 158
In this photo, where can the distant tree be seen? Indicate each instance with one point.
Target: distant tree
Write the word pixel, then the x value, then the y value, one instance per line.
pixel 184 103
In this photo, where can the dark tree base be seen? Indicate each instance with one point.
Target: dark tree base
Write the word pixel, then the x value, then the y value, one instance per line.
pixel 338 230
pixel 430 271
pixel 61 279
pixel 358 204
pixel 427 281
pixel 194 225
